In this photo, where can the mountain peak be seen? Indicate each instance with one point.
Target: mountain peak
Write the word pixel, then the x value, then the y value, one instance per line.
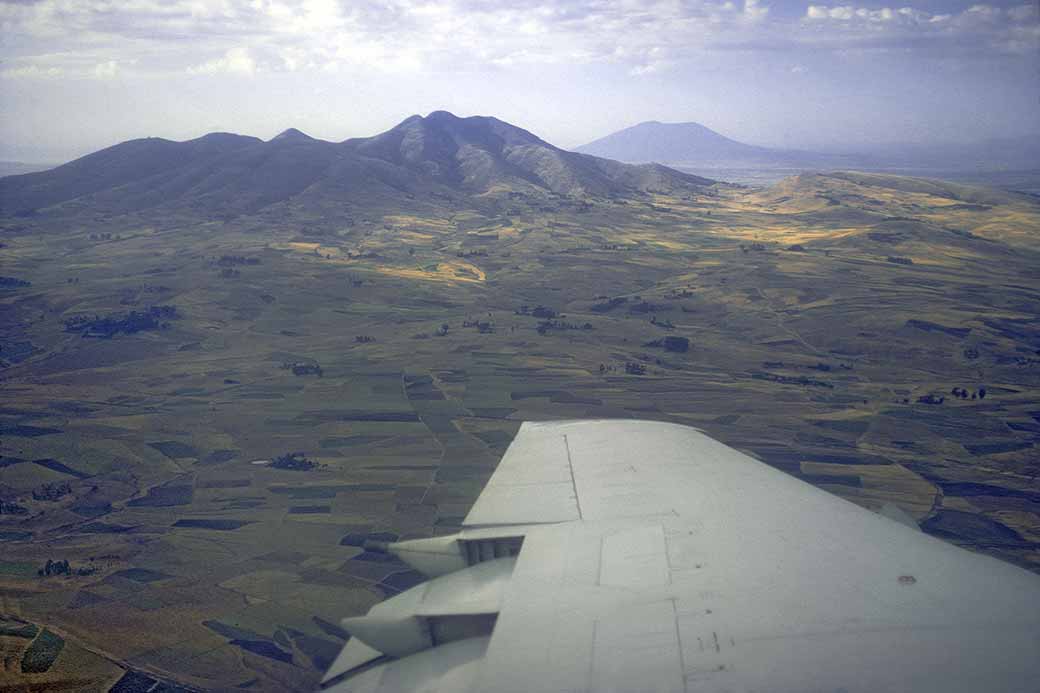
pixel 442 116
pixel 665 142
pixel 292 135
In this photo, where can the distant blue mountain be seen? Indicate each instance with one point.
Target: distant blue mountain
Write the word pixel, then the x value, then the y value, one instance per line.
pixel 692 145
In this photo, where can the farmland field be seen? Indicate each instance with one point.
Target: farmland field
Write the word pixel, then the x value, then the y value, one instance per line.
pixel 877 336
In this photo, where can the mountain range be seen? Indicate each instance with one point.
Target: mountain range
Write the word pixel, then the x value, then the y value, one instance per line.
pixel 440 154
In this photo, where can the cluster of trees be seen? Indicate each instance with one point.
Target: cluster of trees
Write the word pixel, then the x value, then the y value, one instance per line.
pixel 12 508
pixel 756 247
pixel 294 461
pixel 303 368
pixel 471 253
pixel 546 325
pixel 229 273
pixel 483 326
pixel 63 568
pixel 55 568
pixel 965 394
pixel 820 366
pixel 931 399
pixel 608 305
pixel 103 237
pixel 538 311
pixel 631 367
pixel 364 339
pixel 52 491
pixel 899 260
pixel 129 323
pixel 232 260
pixel 13 283
pixel 791 380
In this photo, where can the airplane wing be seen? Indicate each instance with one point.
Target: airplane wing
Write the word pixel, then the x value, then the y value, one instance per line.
pixel 636 556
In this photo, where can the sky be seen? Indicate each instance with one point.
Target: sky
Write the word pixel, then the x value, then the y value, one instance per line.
pixel 80 75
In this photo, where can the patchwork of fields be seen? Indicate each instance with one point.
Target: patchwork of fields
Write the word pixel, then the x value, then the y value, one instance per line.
pixel 876 336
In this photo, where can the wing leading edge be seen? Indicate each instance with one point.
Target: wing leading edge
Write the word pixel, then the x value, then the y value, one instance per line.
pixel 645 556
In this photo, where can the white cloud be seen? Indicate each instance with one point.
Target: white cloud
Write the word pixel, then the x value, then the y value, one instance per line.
pixel 754 10
pixel 391 35
pixel 236 60
pixel 849 13
pixel 106 70
pixel 980 29
pixel 31 72
pixel 245 37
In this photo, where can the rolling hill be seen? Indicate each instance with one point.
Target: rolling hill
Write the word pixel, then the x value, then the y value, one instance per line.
pixel 226 173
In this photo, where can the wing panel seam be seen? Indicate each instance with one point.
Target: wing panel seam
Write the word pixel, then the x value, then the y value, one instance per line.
pixel 570 466
pixel 679 645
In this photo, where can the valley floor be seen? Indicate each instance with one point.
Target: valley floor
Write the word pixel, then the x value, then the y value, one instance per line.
pixel 876 336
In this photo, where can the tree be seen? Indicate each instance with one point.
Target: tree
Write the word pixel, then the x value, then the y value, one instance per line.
pixel 295 461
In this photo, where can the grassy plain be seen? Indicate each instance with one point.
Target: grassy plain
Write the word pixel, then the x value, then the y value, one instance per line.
pixel 823 315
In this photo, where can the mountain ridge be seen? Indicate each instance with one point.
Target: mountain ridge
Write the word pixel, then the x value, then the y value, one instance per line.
pixel 230 173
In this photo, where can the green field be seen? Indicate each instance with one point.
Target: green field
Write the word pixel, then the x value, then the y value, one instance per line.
pixel 825 317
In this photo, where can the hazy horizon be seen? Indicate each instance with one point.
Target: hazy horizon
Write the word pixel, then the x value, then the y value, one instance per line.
pixel 79 76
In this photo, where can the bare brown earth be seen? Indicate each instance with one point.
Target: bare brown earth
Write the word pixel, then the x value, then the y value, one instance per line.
pixel 825 317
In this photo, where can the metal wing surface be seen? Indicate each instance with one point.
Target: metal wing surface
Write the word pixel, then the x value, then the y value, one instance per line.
pixel 643 556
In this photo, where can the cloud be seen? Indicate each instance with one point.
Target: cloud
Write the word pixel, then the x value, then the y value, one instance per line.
pixel 977 31
pixel 384 36
pixel 754 10
pixel 245 37
pixel 106 70
pixel 236 60
pixel 31 72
